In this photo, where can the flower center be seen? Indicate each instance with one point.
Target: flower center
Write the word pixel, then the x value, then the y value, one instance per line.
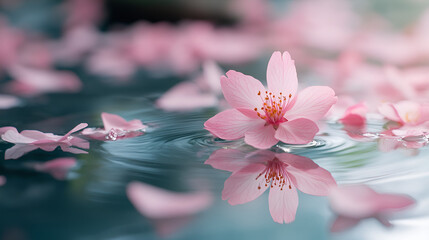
pixel 276 174
pixel 273 108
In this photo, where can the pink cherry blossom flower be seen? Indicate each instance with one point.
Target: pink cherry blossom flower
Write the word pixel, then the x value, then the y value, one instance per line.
pixel 405 112
pixel 29 140
pixel 115 127
pixel 169 211
pixel 58 167
pixel 255 172
pixel 265 117
pixel 357 202
pixel 191 95
pixel 32 81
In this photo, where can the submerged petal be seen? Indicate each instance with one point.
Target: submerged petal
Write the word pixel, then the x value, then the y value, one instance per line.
pixel 244 185
pixel 283 204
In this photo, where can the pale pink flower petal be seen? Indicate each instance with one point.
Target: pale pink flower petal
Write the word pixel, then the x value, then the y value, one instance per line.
pixel 261 137
pixel 5 129
pixel 283 204
pixel 112 121
pixel 231 124
pixel 157 203
pixel 312 103
pixel 58 167
pixel 212 73
pixel 342 223
pixel 29 140
pixel 355 115
pixel 227 159
pixel 241 91
pixel 115 127
pixel 18 151
pixel 31 81
pixel 281 74
pixel 8 101
pixel 360 201
pixel 297 131
pixel 307 176
pixel 186 96
pixel 244 185
pixel 389 112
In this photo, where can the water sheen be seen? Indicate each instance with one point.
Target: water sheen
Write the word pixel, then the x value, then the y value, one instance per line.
pixel 171 155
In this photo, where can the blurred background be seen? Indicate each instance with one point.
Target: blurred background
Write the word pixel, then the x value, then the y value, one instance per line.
pixel 159 61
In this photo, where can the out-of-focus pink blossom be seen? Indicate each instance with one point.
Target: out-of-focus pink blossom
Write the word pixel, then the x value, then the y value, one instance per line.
pixel 2 180
pixel 32 81
pixel 10 39
pixel 115 127
pixel 168 210
pixel 83 12
pixel 29 140
pixel 255 172
pixel 406 84
pixel 8 101
pixel 203 92
pixel 357 202
pixel 327 25
pixel 58 167
pixel 265 117
pixel 405 112
pixel 76 43
pixel 355 115
pixel 111 63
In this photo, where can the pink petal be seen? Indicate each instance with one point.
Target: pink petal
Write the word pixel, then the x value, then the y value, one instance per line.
pixel 38 136
pixel 306 175
pixel 241 91
pixel 243 186
pixel 283 204
pixel 231 124
pixel 281 74
pixel 186 96
pixel 212 74
pixel 261 137
pixel 389 112
pixel 312 103
pixel 355 115
pixel 157 203
pixel 233 160
pixel 112 121
pixel 227 159
pixel 392 202
pixel 298 131
pixel 18 151
pixel 75 129
pixel 343 223
pixel 8 101
pixel 5 129
pixel 13 136
pixel 360 201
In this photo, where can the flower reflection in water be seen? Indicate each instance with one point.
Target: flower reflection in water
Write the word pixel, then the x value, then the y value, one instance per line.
pixel 253 173
pixel 355 203
pixel 168 211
